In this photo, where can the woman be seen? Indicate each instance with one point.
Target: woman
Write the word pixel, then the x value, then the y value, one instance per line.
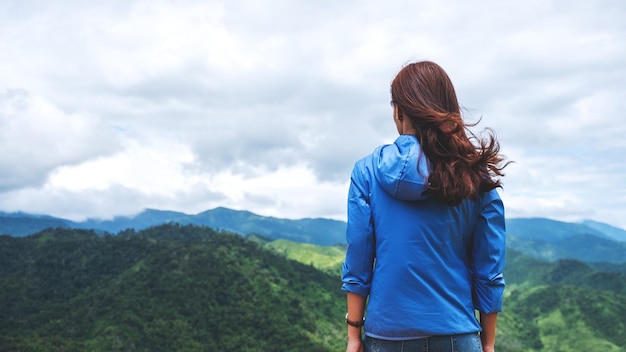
pixel 426 236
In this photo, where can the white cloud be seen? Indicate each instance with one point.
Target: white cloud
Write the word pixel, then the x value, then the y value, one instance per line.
pixel 37 136
pixel 266 105
pixel 291 192
pixel 149 168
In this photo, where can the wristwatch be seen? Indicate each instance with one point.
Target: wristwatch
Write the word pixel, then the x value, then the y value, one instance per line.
pixel 356 324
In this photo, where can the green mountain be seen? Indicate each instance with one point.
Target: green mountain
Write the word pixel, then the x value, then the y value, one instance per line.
pixel 562 306
pixel 551 240
pixel 22 224
pixel 167 288
pixel 316 231
pixel 190 288
pixel 549 230
pixel 325 258
pixel 613 232
pixel 562 318
pixel 587 248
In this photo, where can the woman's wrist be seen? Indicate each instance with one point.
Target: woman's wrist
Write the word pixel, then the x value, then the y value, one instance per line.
pixel 354 332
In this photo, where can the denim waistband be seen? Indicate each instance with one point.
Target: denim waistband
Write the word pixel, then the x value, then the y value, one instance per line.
pixel 440 343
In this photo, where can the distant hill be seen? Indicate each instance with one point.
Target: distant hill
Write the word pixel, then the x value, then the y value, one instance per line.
pixel 553 240
pixel 586 248
pixel 541 238
pixel 22 224
pixel 614 233
pixel 549 230
pixel 316 231
pixel 143 220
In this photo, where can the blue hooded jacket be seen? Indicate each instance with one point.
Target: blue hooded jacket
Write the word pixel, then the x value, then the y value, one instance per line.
pixel 425 266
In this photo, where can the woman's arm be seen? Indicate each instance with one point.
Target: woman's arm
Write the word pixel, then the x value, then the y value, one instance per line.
pixel 488 255
pixel 357 266
pixel 488 335
pixel 356 309
pixel 488 265
pixel 357 269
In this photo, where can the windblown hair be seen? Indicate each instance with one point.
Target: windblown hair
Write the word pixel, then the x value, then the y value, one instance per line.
pixel 462 165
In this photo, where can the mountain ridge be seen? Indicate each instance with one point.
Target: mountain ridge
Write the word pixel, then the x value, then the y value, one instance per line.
pixel 319 231
pixel 166 288
pixel 184 287
pixel 547 239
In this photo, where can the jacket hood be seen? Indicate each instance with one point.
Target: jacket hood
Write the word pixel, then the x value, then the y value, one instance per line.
pixel 402 169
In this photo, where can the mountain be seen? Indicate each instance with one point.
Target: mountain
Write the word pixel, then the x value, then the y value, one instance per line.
pixel 143 220
pixel 549 230
pixel 562 306
pixel 614 233
pixel 325 258
pixel 22 224
pixel 191 288
pixel 541 238
pixel 586 248
pixel 316 231
pixel 553 240
pixel 167 288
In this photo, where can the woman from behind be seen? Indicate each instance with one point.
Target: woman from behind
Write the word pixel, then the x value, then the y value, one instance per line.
pixel 426 233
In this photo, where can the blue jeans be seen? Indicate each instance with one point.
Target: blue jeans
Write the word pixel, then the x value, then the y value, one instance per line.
pixel 446 343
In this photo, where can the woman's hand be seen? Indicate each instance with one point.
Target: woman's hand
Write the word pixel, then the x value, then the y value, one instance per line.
pixel 488 348
pixel 354 345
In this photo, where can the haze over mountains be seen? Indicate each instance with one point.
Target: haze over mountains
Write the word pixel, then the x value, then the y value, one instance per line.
pixel 316 231
pixel 541 238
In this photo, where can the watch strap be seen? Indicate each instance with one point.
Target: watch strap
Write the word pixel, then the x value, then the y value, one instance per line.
pixel 356 324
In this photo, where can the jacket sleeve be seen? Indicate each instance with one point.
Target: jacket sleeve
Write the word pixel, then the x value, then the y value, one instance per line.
pixel 358 265
pixel 489 246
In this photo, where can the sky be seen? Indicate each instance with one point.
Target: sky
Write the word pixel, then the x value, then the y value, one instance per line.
pixel 108 108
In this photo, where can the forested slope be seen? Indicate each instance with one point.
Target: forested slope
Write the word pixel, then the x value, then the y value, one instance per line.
pixel 187 288
pixel 168 288
pixel 562 306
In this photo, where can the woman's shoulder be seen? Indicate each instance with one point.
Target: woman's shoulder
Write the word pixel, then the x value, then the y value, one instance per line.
pixel 491 196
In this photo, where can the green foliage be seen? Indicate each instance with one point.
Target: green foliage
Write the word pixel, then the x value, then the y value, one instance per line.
pixel 168 288
pixel 325 258
pixel 565 318
pixel 188 288
pixel 562 306
pixel 523 271
pixel 583 247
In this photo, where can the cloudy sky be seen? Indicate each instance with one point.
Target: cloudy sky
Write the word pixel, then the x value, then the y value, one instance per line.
pixel 108 108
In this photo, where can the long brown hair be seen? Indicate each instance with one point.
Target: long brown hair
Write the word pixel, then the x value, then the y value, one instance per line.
pixel 463 165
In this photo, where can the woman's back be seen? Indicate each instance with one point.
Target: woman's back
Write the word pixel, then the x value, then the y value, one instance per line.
pixel 424 248
pixel 426 234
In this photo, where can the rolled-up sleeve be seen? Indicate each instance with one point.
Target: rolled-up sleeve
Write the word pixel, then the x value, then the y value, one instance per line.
pixel 358 264
pixel 489 246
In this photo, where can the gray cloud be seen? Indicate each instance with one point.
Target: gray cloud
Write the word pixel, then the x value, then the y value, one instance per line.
pixel 248 89
pixel 115 200
pixel 38 137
